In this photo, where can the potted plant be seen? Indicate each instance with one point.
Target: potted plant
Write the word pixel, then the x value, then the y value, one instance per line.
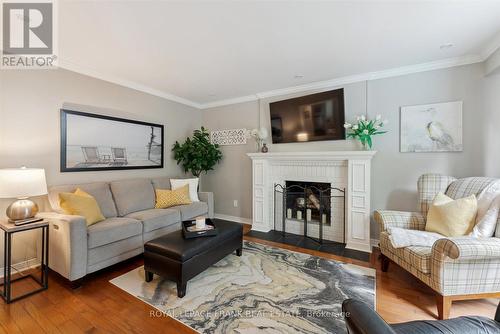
pixel 197 154
pixel 364 129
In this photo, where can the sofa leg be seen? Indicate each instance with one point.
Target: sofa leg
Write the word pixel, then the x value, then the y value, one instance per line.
pixel 76 284
pixel 443 306
pixel 181 289
pixel 239 251
pixel 384 263
pixel 148 276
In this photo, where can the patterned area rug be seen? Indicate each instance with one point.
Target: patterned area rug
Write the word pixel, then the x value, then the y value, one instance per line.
pixel 267 290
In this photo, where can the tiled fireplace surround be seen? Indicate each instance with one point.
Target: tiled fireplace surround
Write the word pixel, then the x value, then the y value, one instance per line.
pixel 349 170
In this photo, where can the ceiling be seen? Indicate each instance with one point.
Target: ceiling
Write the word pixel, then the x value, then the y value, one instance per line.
pixel 202 52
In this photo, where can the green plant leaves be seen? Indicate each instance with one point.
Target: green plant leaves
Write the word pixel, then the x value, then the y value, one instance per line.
pixel 197 154
pixel 363 130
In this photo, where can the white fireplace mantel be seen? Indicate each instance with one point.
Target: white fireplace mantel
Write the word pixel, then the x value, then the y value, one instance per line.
pixel 350 169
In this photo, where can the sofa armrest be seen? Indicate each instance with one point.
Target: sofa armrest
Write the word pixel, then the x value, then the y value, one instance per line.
pixel 467 248
pixel 208 197
pixel 402 219
pixel 67 244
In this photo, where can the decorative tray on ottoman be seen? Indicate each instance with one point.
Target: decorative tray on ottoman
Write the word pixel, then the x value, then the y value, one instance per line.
pixel 189 230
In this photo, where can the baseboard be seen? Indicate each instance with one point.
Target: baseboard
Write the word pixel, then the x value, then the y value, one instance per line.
pixel 233 219
pixel 374 243
pixel 22 266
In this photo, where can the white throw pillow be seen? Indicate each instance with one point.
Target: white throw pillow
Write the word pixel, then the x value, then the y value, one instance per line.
pixel 485 227
pixel 488 207
pixel 193 187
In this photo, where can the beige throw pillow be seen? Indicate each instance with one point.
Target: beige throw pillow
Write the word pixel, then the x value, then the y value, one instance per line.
pixel 452 218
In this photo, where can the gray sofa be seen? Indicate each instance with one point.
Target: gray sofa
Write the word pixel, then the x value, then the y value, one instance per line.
pixel 76 250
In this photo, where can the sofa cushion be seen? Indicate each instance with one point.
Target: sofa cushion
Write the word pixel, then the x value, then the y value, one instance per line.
pixel 99 190
pixel 192 210
pixel 161 182
pixel 133 195
pixel 112 230
pixel 153 219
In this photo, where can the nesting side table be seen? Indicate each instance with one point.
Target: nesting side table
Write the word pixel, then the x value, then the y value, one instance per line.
pixel 9 230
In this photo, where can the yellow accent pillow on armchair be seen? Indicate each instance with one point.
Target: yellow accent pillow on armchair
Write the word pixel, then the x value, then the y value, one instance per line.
pixel 452 218
pixel 81 204
pixel 166 198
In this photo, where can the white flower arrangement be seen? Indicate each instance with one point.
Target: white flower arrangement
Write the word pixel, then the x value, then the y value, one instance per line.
pixel 259 135
pixel 365 129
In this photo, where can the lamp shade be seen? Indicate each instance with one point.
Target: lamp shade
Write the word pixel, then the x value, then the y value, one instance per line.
pixel 22 182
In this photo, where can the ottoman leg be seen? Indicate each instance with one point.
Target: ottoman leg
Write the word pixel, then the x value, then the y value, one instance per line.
pixel 239 251
pixel 181 289
pixel 148 276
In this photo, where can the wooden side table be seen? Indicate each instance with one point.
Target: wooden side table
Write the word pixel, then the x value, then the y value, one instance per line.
pixel 9 230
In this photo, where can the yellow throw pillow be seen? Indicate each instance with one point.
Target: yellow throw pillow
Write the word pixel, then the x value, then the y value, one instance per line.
pixel 452 218
pixel 81 204
pixel 166 198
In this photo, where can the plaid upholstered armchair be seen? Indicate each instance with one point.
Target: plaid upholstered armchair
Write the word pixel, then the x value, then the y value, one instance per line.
pixel 456 268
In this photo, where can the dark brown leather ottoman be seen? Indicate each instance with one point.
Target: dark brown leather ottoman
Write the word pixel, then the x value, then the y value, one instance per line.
pixel 178 259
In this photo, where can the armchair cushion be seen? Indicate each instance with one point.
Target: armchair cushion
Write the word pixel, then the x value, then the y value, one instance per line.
pixel 408 220
pixel 468 248
pixel 415 257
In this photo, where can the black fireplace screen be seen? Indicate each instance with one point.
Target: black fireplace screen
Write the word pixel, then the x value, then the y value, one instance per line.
pixel 309 202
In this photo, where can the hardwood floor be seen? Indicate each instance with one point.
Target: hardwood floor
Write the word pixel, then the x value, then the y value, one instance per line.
pixel 100 307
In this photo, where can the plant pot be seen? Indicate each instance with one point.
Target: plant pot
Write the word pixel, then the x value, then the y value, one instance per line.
pixel 366 147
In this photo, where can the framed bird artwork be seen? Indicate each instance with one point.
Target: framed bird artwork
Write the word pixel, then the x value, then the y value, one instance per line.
pixel 432 127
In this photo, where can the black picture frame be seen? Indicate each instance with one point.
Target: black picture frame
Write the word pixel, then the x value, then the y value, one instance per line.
pixel 111 166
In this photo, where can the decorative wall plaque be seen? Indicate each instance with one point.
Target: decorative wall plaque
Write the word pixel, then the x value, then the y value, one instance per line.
pixel 229 137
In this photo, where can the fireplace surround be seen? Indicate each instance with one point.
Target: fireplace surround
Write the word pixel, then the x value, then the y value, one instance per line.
pixel 349 170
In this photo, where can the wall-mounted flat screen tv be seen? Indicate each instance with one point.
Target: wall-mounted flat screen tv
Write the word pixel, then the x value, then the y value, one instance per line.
pixel 309 118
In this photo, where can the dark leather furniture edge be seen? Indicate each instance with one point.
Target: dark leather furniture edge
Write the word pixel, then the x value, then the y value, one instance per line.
pixel 182 271
pixel 361 319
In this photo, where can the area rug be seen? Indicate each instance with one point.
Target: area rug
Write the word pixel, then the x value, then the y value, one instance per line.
pixel 266 290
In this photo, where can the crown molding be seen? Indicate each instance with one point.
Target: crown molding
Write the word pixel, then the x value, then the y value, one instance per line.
pixel 226 102
pixel 70 66
pixel 314 86
pixel 328 84
pixel 491 47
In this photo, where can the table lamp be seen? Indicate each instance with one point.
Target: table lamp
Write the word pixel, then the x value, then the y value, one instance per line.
pixel 22 183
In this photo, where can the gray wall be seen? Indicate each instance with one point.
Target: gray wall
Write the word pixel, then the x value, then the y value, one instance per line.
pixel 232 178
pixel 394 174
pixel 491 139
pixel 29 125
